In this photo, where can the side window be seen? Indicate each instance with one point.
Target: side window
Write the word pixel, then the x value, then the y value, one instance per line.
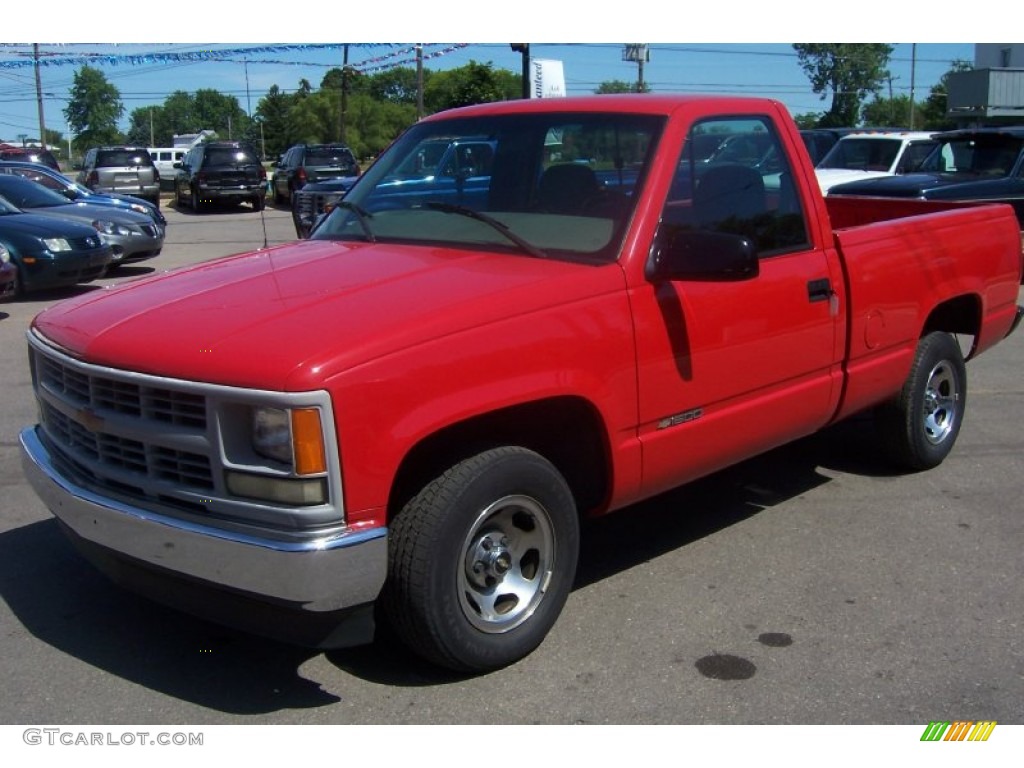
pixel 745 187
pixel 39 178
pixel 914 155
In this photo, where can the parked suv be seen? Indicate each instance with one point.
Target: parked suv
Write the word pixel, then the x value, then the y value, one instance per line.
pixel 128 170
pixel 305 163
pixel 220 172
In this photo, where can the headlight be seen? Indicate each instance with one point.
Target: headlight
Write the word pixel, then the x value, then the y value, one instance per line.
pixel 293 437
pixel 5 255
pixel 111 228
pixel 56 244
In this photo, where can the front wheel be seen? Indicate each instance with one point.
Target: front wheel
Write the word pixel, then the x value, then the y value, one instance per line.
pixel 481 561
pixel 920 426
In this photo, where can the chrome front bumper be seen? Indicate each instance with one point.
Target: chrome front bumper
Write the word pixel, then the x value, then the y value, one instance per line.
pixel 319 575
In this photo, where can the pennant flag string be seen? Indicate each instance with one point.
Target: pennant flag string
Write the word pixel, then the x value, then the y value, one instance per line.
pixel 50 59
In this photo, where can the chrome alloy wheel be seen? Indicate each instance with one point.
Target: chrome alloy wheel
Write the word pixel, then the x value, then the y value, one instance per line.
pixel 941 404
pixel 508 559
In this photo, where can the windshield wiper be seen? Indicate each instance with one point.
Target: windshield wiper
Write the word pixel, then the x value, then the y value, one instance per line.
pixel 501 227
pixel 363 216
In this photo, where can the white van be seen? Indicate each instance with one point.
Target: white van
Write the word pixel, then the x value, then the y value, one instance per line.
pixel 164 159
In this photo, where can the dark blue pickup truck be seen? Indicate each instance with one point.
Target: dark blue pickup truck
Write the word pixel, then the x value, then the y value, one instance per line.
pixel 968 164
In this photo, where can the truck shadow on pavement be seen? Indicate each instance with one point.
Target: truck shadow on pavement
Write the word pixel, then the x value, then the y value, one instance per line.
pixel 64 602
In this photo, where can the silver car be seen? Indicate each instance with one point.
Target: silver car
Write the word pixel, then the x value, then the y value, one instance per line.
pixel 132 236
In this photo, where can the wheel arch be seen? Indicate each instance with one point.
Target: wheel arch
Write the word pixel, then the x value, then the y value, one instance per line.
pixel 567 431
pixel 960 315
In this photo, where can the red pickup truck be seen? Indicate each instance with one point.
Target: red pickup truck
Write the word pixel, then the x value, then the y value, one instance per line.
pixel 408 416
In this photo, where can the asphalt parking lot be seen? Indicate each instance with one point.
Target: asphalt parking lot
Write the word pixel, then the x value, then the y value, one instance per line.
pixel 809 585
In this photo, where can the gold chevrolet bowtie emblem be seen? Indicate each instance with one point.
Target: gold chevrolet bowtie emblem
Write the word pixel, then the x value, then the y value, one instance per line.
pixel 89 420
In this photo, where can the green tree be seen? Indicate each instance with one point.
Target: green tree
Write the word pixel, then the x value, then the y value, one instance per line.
pixel 94 108
pixel 933 111
pixel 889 113
pixel 849 71
pixel 397 85
pixel 473 83
pixel 807 120
pixel 273 111
pixel 149 127
pixel 621 86
pixel 215 111
pixel 373 124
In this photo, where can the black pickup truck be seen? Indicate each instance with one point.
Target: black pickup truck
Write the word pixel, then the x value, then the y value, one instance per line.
pixel 968 164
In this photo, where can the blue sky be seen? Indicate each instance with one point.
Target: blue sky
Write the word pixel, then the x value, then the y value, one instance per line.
pixel 736 47
pixel 146 73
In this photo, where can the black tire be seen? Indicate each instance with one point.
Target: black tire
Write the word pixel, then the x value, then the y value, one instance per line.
pixel 258 202
pixel 919 427
pixel 19 284
pixel 502 520
pixel 195 201
pixel 278 197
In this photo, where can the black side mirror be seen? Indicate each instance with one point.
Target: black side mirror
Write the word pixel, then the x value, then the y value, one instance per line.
pixel 680 253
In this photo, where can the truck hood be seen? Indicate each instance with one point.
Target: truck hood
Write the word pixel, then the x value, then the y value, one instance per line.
pixel 938 186
pixel 290 317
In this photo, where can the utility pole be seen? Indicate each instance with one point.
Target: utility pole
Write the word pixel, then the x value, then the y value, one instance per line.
pixel 913 66
pixel 419 81
pixel 344 94
pixel 39 96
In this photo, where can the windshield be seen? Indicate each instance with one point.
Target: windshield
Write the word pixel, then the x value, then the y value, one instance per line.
pixel 972 156
pixel 865 154
pixel 554 184
pixel 27 194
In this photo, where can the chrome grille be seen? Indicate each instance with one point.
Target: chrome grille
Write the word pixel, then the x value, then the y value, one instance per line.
pixel 120 432
pixel 98 453
pixel 123 397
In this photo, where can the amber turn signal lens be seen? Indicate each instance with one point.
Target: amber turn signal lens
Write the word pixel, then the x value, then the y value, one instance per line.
pixel 308 442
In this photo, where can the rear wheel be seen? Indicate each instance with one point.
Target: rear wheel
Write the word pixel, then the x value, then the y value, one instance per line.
pixel 481 561
pixel 920 426
pixel 194 202
pixel 258 203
